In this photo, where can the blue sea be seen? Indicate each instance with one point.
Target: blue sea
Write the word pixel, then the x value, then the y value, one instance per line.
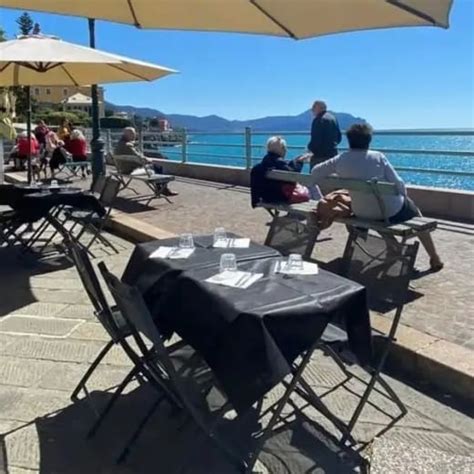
pixel 229 150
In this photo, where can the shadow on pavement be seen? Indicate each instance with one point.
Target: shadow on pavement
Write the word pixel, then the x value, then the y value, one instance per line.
pixel 172 444
pixel 16 269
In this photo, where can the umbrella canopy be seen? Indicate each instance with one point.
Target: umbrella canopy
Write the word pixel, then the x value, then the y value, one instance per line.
pixel 294 18
pixel 46 61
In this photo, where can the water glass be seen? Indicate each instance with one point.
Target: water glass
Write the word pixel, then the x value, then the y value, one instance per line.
pixel 295 262
pixel 219 235
pixel 54 183
pixel 186 241
pixel 228 262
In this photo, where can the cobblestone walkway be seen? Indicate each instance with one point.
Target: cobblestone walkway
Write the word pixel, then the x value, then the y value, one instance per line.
pixel 48 336
pixel 442 305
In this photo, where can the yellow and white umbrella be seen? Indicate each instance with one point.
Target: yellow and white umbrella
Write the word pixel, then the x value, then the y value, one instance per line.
pixel 294 18
pixel 48 61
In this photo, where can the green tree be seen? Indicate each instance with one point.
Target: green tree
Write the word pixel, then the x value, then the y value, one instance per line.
pixel 109 112
pixel 25 23
pixel 3 36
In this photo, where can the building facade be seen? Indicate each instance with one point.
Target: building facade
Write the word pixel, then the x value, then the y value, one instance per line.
pixel 47 96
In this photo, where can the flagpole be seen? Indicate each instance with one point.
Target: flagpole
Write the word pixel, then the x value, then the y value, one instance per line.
pixel 97 144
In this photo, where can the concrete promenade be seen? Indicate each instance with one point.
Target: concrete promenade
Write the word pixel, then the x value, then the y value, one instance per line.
pixel 48 336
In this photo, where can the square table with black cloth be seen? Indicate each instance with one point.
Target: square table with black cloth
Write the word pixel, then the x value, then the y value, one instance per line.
pixel 249 337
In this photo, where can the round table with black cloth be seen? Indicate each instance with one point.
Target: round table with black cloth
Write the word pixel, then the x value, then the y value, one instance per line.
pixel 249 337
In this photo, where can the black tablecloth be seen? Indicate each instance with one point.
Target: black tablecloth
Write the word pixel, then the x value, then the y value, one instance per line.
pixel 250 337
pixel 33 203
pixel 144 272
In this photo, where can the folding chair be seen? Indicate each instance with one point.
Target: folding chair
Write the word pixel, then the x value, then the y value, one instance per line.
pixel 184 378
pixel 288 234
pixel 384 266
pixel 91 222
pixel 10 229
pixel 109 317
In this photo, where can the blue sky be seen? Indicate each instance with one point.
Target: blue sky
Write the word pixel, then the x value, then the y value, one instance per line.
pixel 396 78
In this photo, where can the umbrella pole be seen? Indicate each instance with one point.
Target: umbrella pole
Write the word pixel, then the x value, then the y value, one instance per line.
pixel 28 131
pixel 97 144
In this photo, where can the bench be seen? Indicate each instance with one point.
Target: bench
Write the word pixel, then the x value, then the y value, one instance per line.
pixel 157 183
pixel 304 211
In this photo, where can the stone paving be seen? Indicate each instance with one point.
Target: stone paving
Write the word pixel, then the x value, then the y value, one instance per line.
pixel 48 336
pixel 442 302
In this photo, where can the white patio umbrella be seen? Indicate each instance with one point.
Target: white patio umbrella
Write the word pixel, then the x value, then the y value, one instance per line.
pixel 294 18
pixel 41 60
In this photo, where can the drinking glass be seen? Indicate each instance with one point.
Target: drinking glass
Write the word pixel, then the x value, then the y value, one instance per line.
pixel 228 262
pixel 186 241
pixel 54 183
pixel 295 262
pixel 219 235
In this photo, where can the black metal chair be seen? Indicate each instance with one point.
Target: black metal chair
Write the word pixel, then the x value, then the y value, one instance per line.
pixel 91 222
pixel 108 316
pixel 384 266
pixel 183 378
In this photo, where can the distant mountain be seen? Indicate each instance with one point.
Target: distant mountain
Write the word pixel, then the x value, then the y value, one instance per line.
pixel 214 123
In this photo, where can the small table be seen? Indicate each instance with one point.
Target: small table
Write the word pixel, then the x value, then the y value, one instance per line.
pixel 251 337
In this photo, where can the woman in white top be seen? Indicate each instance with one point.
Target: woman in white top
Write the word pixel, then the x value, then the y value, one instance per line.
pixel 361 163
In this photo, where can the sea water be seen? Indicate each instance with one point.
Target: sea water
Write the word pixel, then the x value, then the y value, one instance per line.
pixel 229 150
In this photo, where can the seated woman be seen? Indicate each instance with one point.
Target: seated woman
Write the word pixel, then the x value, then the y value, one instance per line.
pixel 23 148
pixel 77 146
pixel 361 163
pixel 135 159
pixel 269 190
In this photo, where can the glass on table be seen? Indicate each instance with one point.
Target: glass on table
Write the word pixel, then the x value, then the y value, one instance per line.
pixel 186 241
pixel 228 263
pixel 220 235
pixel 295 262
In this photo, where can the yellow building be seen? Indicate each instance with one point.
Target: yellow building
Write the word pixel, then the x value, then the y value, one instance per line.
pixel 59 95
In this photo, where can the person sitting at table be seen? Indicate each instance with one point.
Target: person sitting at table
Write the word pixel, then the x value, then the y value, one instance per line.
pixel 269 190
pixel 64 130
pixel 362 163
pixel 129 159
pixel 77 146
pixel 59 156
pixel 23 148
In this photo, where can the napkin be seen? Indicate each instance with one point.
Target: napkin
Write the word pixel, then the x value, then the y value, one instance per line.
pixel 308 268
pixel 235 279
pixel 232 244
pixel 171 253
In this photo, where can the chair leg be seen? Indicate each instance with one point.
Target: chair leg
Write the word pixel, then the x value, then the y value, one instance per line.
pixel 112 401
pixel 126 450
pixel 91 369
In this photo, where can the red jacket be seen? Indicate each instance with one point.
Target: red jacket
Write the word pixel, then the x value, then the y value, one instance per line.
pixel 77 147
pixel 23 146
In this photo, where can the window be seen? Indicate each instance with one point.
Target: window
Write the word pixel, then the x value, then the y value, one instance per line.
pixel 65 92
pixel 48 91
pixel 37 91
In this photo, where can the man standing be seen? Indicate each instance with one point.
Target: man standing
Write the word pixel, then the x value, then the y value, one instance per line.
pixel 325 134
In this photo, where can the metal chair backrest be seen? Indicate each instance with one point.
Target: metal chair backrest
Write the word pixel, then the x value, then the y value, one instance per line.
pixel 109 192
pixel 98 184
pixel 383 265
pixel 91 284
pixel 134 310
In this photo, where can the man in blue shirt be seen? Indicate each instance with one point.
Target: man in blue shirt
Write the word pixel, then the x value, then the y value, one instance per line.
pixel 325 134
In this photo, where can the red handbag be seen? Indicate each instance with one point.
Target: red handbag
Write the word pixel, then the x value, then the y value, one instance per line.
pixel 295 192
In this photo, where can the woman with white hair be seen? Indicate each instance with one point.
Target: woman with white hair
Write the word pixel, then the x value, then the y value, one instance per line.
pixel 77 146
pixel 268 190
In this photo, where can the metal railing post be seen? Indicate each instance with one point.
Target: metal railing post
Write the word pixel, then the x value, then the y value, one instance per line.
pixel 140 140
pixel 248 147
pixel 184 146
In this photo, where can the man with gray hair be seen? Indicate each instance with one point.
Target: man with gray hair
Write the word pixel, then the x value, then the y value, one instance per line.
pixel 128 158
pixel 325 134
